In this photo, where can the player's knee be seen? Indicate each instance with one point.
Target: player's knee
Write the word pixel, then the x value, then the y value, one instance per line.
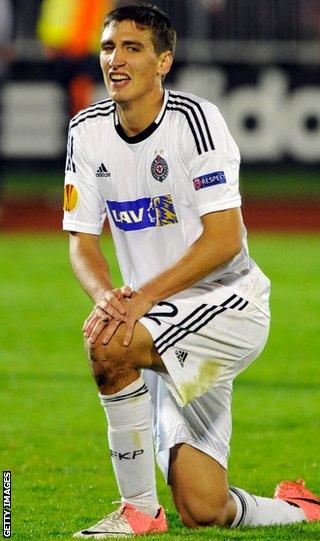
pixel 108 362
pixel 197 514
pixel 111 353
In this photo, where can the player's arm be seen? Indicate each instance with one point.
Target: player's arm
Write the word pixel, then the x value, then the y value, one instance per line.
pixel 89 264
pixel 84 215
pixel 219 242
pixel 92 272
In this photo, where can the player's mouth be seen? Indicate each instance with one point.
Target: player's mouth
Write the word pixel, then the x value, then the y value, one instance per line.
pixel 119 80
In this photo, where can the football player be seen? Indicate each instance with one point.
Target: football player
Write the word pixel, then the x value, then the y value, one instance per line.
pixel 193 311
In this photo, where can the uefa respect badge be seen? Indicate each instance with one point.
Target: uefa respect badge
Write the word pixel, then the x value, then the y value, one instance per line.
pixel 211 179
pixel 159 168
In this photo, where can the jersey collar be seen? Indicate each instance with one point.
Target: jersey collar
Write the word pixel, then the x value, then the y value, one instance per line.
pixel 147 131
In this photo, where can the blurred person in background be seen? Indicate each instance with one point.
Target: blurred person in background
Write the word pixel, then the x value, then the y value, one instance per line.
pixel 6 56
pixel 69 31
pixel 6 37
pixel 194 310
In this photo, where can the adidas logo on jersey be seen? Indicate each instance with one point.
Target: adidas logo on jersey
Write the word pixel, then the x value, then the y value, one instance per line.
pixel 181 356
pixel 102 171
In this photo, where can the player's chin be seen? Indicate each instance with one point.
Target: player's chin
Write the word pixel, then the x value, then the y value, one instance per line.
pixel 119 99
pixel 118 96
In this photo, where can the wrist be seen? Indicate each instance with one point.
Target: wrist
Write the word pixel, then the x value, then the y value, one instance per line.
pixel 100 294
pixel 147 297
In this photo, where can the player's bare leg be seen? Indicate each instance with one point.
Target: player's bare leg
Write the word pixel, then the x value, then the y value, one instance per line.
pixel 203 498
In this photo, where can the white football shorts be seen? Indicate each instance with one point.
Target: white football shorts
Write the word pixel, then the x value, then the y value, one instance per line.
pixel 205 335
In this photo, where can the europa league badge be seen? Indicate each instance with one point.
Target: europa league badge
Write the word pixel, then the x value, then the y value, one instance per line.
pixel 159 168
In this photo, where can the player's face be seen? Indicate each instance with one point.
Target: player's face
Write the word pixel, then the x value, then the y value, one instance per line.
pixel 131 67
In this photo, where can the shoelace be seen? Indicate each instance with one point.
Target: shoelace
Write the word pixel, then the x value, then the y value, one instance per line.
pixel 111 517
pixel 113 520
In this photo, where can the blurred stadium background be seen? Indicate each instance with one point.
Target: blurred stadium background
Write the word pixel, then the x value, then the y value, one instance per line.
pixel 258 60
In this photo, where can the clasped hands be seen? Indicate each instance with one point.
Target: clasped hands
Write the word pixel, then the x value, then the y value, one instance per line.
pixel 121 305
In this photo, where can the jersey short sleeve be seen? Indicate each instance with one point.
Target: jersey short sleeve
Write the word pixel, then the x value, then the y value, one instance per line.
pixel 214 174
pixel 84 208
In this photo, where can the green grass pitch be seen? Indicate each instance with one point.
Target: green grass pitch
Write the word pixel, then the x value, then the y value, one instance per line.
pixel 53 428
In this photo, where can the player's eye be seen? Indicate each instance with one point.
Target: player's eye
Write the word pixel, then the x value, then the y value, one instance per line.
pixel 107 48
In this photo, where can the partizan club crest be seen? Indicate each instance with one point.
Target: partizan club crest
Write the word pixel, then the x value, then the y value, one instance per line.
pixel 159 168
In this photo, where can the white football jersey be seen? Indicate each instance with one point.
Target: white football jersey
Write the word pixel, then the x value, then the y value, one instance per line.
pixel 154 187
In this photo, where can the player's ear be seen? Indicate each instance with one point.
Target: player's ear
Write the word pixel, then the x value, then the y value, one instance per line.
pixel 165 63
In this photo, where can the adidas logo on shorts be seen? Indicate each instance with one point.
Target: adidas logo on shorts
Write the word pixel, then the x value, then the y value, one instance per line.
pixel 102 171
pixel 181 356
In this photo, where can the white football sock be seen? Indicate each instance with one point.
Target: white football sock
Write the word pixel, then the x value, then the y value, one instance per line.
pixel 257 511
pixel 129 414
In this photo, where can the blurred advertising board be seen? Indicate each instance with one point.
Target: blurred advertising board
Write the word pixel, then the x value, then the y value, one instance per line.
pixel 273 112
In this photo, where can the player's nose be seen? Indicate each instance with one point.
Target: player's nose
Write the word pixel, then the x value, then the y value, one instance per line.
pixel 116 58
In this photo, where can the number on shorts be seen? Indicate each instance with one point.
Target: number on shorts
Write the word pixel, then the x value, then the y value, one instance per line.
pixel 169 313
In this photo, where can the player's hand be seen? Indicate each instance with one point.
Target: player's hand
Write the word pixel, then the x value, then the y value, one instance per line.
pixel 136 307
pixel 94 328
pixel 105 312
pixel 91 322
pixel 110 306
pixel 98 327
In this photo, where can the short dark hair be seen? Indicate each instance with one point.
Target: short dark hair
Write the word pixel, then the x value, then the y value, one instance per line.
pixel 164 36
